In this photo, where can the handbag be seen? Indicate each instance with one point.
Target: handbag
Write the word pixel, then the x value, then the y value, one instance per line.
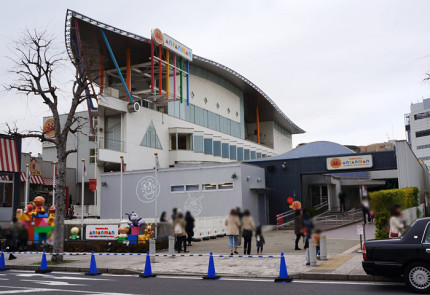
pixel 394 235
pixel 178 229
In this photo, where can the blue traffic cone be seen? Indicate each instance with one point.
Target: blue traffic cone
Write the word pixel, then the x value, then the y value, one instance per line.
pixel 148 270
pixel 211 270
pixel 93 267
pixel 43 265
pixel 283 273
pixel 2 263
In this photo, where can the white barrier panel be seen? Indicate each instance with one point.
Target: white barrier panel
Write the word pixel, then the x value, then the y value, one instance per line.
pixel 206 227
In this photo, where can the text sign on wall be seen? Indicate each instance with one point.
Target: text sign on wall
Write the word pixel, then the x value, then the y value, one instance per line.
pixel 350 162
pixel 101 232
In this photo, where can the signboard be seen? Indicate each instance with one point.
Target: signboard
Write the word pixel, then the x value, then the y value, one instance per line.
pixel 33 168
pixel 49 131
pixel 171 44
pixel 359 229
pixel 101 232
pixel 350 162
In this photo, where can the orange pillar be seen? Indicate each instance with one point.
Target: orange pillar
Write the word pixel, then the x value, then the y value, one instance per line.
pixel 101 73
pixel 128 70
pixel 160 69
pixel 167 74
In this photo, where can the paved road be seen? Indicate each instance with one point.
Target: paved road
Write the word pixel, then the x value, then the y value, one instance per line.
pixel 19 282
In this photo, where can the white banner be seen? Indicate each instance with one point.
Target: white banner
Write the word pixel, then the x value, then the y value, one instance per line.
pixel 101 232
pixel 177 47
pixel 350 162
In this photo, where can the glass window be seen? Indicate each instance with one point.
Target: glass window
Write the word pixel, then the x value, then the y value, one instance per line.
pixel 198 144
pixel 258 155
pixel 209 187
pixel 253 155
pixel 235 129
pixel 172 141
pixel 208 146
pixel 185 141
pixel 217 148
pixel 151 138
pixel 240 154
pixel 246 154
pixel 177 188
pixel 422 133
pixel 6 190
pixel 422 115
pixel 232 152
pixel 192 187
pixel 225 150
pixel 225 185
pixel 113 133
pixel 92 156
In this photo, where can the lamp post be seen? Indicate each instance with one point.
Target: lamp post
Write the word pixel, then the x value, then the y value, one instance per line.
pixel 27 184
pixel 156 194
pixel 82 199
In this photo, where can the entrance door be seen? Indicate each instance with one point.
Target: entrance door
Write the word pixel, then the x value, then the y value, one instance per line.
pixel 262 208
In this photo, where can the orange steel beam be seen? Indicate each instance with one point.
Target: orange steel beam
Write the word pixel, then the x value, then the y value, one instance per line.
pixel 160 69
pixel 128 70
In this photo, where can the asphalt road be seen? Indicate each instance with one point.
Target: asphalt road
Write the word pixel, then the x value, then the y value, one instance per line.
pixel 20 282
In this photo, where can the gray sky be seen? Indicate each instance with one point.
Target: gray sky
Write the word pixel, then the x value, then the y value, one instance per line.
pixel 344 71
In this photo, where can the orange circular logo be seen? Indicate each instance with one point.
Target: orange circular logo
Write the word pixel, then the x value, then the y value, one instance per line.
pixel 335 163
pixel 157 36
pixel 49 128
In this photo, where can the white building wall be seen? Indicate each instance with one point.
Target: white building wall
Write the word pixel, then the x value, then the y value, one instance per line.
pixel 420 125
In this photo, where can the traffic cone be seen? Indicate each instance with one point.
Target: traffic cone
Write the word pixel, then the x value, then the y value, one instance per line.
pixel 43 265
pixel 148 270
pixel 2 263
pixel 283 273
pixel 93 267
pixel 211 270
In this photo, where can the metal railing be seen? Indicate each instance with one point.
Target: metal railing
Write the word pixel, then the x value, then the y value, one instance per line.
pixel 288 217
pixel 111 144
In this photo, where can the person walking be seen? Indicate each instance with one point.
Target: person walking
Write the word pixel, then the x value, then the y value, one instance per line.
pixel 248 227
pixel 396 222
pixel 179 228
pixel 298 226
pixel 239 238
pixel 365 207
pixel 342 197
pixel 174 214
pixel 189 227
pixel 307 234
pixel 233 224
pixel 260 239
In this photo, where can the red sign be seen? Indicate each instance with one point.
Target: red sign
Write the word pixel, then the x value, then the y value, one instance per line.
pixel 92 184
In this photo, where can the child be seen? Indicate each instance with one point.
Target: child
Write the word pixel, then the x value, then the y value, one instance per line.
pixel 317 241
pixel 306 233
pixel 260 239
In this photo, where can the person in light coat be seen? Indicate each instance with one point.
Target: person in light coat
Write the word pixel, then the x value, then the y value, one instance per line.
pixel 248 227
pixel 233 224
pixel 396 222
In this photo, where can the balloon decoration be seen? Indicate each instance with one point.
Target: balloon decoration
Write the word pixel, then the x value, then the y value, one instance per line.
pixel 295 205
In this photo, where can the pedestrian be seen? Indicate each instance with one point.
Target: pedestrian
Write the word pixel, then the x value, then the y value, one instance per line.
pixel 317 241
pixel 233 224
pixel 342 197
pixel 248 227
pixel 298 225
pixel 163 216
pixel 189 227
pixel 239 238
pixel 260 239
pixel 307 235
pixel 365 207
pixel 396 222
pixel 180 235
pixel 174 214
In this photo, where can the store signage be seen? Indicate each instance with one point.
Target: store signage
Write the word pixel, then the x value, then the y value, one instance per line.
pixel 101 232
pixel 171 44
pixel 33 168
pixel 48 131
pixel 350 162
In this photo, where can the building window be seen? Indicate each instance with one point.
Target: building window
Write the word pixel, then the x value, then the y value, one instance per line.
pixel 217 148
pixel 225 185
pixel 209 187
pixel 246 154
pixel 92 156
pixel 151 138
pixel 232 152
pixel 192 187
pixel 225 150
pixel 184 141
pixel 177 188
pixel 424 158
pixel 258 155
pixel 253 155
pixel 421 147
pixel 6 190
pixel 113 133
pixel 198 144
pixel 422 115
pixel 240 154
pixel 208 146
pixel 422 133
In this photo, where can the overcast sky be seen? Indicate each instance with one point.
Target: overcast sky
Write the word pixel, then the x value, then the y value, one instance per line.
pixel 344 71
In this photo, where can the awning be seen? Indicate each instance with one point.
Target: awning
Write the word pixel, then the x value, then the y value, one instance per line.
pixel 8 155
pixel 49 181
pixel 34 179
pixel 4 177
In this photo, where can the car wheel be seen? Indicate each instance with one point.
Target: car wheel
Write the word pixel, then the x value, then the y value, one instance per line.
pixel 417 277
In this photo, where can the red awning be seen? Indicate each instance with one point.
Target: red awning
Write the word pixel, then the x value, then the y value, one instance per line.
pixel 49 181
pixel 8 155
pixel 34 179
pixel 4 177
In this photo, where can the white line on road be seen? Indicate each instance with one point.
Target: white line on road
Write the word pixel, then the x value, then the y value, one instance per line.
pixel 26 290
pixel 53 283
pixel 20 290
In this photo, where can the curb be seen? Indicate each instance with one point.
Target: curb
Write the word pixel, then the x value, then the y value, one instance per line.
pixel 297 276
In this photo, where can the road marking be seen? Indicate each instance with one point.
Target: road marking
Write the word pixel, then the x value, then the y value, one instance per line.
pixel 80 278
pixel 53 283
pixel 26 290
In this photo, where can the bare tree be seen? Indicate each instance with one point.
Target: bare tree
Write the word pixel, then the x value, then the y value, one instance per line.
pixel 36 63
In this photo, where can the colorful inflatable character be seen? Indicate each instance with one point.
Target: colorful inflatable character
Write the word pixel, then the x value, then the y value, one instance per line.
pixel 51 218
pixel 135 219
pixel 39 211
pixel 123 233
pixel 74 233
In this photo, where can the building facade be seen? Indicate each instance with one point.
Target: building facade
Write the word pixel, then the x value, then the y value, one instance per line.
pixel 417 125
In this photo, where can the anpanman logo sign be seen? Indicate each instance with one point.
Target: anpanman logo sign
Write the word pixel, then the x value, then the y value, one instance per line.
pixel 335 163
pixel 350 162
pixel 157 36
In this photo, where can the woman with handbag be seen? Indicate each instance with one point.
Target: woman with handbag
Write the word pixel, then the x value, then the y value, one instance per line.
pixel 233 223
pixel 179 229
pixel 248 226
pixel 396 222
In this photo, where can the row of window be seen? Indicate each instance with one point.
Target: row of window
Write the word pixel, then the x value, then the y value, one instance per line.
pixel 422 115
pixel 422 133
pixel 421 147
pixel 208 146
pixel 204 187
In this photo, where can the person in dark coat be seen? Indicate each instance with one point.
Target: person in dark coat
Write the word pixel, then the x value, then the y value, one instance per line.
pixel 342 197
pixel 298 227
pixel 189 227
pixel 163 217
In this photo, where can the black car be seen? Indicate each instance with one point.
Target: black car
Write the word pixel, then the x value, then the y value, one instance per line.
pixel 407 257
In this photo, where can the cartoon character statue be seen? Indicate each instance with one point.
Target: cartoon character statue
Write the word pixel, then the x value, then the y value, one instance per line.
pixel 51 218
pixel 123 233
pixel 39 211
pixel 147 236
pixel 74 233
pixel 135 219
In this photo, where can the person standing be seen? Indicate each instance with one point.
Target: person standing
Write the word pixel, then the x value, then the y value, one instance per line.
pixel 233 224
pixel 179 228
pixel 189 227
pixel 298 226
pixel 366 210
pixel 260 239
pixel 239 215
pixel 307 235
pixel 248 227
pixel 342 197
pixel 396 223
pixel 174 214
pixel 163 217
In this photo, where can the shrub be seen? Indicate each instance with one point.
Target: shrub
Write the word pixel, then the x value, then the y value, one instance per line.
pixel 382 201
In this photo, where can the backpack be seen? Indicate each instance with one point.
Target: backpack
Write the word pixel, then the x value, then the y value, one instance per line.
pixel 178 229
